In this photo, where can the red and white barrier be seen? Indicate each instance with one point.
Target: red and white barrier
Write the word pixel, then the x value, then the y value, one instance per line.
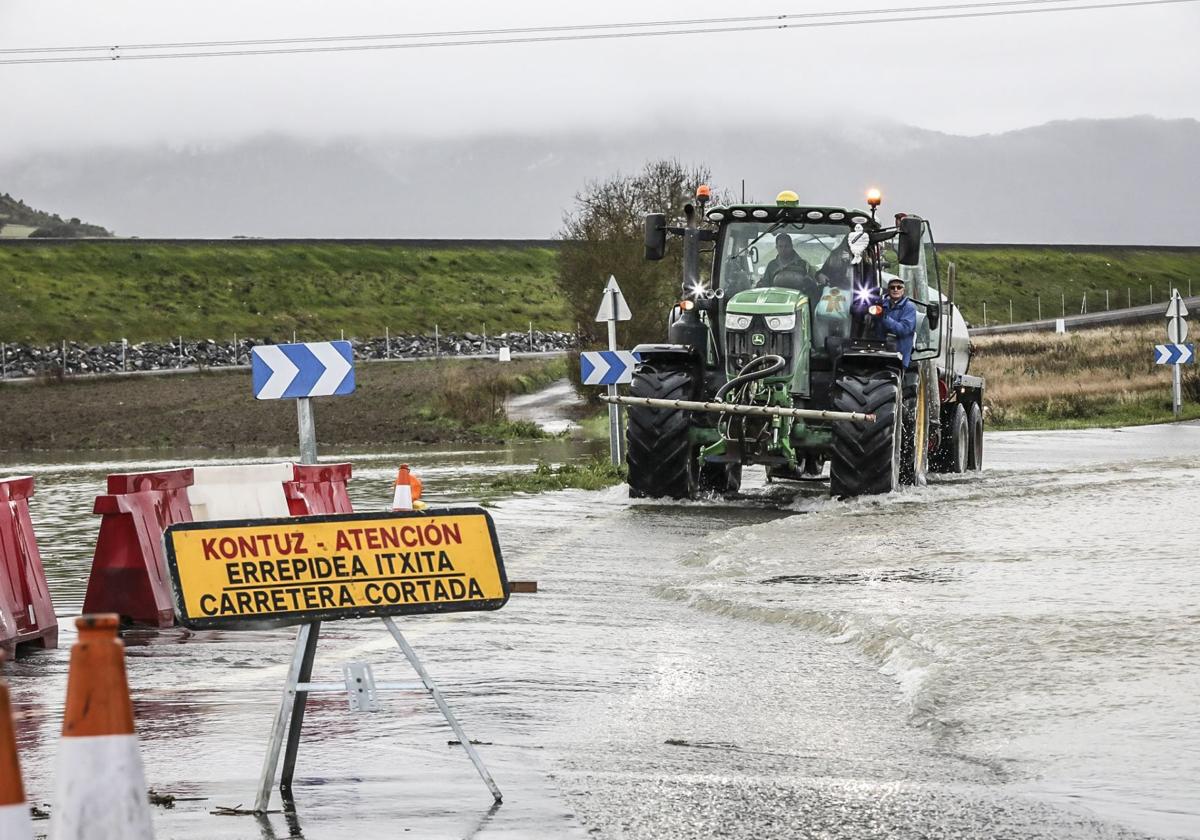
pixel 129 571
pixel 26 611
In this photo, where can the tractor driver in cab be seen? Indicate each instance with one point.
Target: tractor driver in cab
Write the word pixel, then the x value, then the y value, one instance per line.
pixel 899 318
pixel 789 269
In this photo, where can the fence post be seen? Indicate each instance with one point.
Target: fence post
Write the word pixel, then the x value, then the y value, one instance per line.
pixel 437 343
pixel 180 365
pixel 1064 304
pixel 3 360
pixel 1039 300
pixel 235 350
pixel 985 313
pixel 1083 305
pixel 1128 298
pixel 1106 306
pixel 124 345
pixel 1010 318
pixel 64 357
pixel 531 322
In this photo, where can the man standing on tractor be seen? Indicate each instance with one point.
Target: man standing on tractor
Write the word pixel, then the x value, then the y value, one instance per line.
pixel 899 318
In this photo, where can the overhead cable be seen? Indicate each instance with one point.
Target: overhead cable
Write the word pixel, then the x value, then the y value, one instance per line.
pixel 578 33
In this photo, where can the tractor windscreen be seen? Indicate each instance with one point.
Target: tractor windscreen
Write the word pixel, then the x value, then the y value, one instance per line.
pixel 792 256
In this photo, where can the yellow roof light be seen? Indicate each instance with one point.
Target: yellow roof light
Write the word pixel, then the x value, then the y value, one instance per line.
pixel 874 197
pixel 787 198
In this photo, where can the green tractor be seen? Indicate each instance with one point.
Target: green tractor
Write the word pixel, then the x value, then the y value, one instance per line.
pixel 776 357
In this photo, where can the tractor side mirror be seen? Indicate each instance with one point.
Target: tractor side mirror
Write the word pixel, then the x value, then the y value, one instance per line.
pixel 908 246
pixel 934 313
pixel 656 236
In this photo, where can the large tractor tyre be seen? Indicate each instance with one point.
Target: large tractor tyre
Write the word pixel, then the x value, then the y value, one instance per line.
pixel 720 478
pixel 866 456
pixel 662 461
pixel 952 453
pixel 975 450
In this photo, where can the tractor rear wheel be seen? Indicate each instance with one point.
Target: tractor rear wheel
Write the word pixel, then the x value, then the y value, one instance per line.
pixel 866 456
pixel 975 450
pixel 662 460
pixel 952 452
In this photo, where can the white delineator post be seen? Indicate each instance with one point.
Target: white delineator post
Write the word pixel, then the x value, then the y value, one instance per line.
pixel 1177 332
pixel 614 410
pixel 101 786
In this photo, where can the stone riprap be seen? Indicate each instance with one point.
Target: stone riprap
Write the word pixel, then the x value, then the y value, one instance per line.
pixel 24 360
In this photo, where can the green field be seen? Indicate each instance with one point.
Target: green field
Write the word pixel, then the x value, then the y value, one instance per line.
pixel 104 290
pixel 999 275
pixel 99 291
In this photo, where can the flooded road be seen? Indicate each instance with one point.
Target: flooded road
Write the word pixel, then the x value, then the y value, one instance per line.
pixel 1015 654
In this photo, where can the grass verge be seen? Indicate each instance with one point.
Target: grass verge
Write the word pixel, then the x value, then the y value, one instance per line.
pixel 397 402
pixel 595 474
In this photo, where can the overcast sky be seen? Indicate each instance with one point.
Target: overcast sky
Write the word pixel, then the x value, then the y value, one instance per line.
pixel 958 76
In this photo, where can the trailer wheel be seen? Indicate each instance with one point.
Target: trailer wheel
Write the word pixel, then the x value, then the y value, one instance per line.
pixel 975 450
pixel 662 460
pixel 720 478
pixel 866 456
pixel 953 451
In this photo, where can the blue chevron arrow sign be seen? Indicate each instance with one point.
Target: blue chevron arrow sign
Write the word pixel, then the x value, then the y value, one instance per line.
pixel 1174 354
pixel 314 369
pixel 607 367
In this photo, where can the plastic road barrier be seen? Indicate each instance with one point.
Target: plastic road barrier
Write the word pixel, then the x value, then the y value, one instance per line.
pixel 243 491
pixel 15 823
pixel 26 612
pixel 129 572
pixel 318 489
pixel 101 787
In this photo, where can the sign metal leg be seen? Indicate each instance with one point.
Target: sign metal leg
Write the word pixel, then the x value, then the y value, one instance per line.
pixel 432 688
pixel 267 779
pixel 299 702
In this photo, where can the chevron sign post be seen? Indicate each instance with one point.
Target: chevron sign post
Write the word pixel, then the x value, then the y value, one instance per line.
pixel 607 367
pixel 300 372
pixel 1174 354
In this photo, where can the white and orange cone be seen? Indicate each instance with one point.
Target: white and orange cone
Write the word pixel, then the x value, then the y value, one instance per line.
pixel 15 821
pixel 101 790
pixel 408 490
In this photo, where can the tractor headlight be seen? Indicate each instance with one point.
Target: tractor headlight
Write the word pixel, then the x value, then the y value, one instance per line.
pixel 782 323
pixel 737 322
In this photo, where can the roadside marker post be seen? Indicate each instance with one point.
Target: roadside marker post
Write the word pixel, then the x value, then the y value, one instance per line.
pixel 1176 353
pixel 250 574
pixel 613 308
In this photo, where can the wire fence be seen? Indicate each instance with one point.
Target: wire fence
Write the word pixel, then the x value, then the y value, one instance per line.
pixel 1042 307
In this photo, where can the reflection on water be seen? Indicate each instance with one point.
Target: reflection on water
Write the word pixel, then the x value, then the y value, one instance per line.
pixel 1013 654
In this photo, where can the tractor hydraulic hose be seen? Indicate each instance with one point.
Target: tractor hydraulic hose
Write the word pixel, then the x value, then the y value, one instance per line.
pixel 749 374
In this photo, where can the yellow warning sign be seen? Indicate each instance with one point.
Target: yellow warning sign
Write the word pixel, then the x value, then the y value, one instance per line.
pixel 318 568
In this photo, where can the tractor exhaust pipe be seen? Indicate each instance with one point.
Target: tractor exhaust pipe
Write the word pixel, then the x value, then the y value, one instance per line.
pixel 740 408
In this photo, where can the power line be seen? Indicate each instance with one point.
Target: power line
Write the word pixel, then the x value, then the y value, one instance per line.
pixel 575 33
pixel 530 30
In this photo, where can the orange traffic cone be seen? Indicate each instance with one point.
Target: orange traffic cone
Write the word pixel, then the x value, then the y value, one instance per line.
pixel 15 822
pixel 101 790
pixel 408 490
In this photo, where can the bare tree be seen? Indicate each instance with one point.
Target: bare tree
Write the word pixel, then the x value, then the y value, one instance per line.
pixel 602 235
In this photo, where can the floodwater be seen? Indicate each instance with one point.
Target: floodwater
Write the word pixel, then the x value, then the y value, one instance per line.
pixel 1012 654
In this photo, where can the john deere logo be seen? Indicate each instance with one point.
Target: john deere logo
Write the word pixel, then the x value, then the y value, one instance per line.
pixel 758 339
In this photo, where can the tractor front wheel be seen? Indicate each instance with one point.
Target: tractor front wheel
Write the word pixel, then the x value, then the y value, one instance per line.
pixel 866 456
pixel 662 460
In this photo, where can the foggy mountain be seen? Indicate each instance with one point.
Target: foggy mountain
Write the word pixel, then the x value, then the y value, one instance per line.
pixel 1120 181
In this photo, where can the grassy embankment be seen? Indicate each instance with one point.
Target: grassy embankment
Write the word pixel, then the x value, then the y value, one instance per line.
pixel 101 291
pixel 394 403
pixel 1097 377
pixel 998 275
